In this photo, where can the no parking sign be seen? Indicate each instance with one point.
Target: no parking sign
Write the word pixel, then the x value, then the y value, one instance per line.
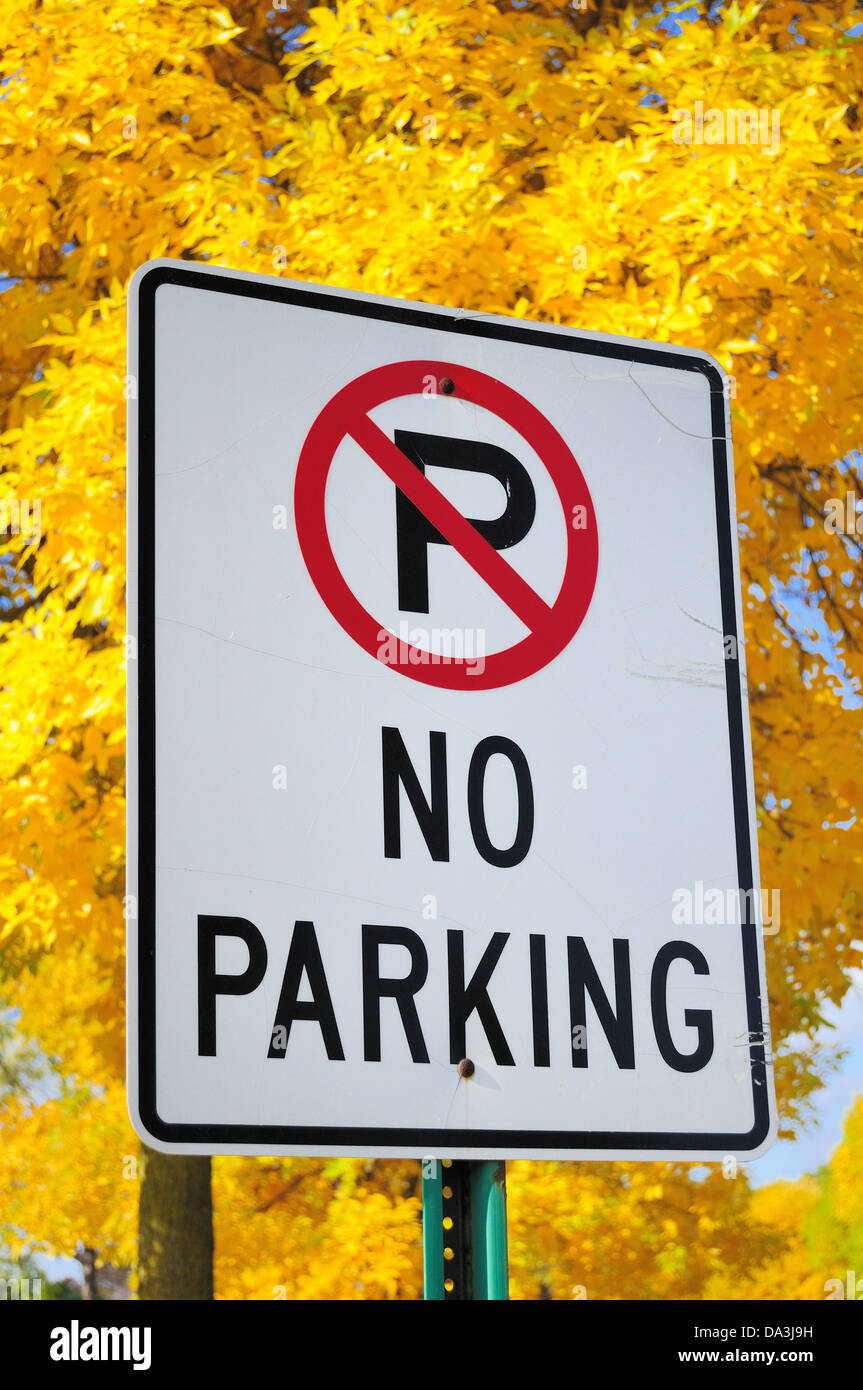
pixel 437 715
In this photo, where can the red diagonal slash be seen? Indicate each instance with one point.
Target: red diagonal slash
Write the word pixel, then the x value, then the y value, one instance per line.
pixel 506 582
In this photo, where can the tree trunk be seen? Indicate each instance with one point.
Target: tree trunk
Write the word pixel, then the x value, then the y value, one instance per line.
pixel 175 1228
pixel 87 1261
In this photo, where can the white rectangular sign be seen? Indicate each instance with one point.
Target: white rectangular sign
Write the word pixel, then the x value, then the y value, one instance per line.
pixel 441 818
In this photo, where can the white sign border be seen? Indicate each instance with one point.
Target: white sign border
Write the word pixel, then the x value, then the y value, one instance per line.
pixel 141 793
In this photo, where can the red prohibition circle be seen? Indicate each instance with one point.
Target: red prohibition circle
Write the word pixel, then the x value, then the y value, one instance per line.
pixel 551 626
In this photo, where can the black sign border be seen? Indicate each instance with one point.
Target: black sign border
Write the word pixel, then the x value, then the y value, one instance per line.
pixel 438 1141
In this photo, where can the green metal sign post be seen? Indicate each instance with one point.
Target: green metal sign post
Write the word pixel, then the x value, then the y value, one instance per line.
pixel 464 1230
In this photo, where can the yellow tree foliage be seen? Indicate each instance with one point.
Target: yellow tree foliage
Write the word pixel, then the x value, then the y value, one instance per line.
pixel 819 1223
pixel 76 1186
pixel 320 1229
pixel 846 1184
pixel 628 1231
pixel 517 159
pixel 784 1207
